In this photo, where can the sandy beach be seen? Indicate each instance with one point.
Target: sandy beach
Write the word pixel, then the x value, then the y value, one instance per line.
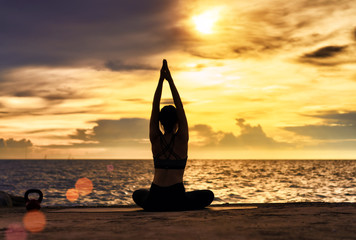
pixel 241 221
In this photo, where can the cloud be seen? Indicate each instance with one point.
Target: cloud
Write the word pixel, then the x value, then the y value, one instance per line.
pixel 11 143
pixel 43 111
pixel 336 126
pixel 121 66
pixel 167 101
pixel 325 131
pixel 123 129
pixel 11 148
pixel 111 133
pixel 337 117
pixel 271 27
pixel 206 135
pixel 115 33
pixel 338 145
pixel 81 32
pixel 32 94
pixel 40 83
pixel 251 137
pixel 56 94
pixel 277 27
pixel 81 134
pixel 46 130
pixel 137 100
pixel 332 55
pixel 325 52
pixel 134 132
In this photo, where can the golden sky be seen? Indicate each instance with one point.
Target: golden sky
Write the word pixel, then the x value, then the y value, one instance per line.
pixel 265 79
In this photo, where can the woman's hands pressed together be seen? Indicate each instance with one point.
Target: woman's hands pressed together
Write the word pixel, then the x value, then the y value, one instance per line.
pixel 165 73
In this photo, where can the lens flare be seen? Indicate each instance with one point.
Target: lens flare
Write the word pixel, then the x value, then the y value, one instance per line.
pixel 84 186
pixel 15 231
pixel 72 194
pixel 34 221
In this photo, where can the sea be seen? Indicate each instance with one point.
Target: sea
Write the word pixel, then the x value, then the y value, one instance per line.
pixel 232 181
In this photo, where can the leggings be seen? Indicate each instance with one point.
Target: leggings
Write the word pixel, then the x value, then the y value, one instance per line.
pixel 172 198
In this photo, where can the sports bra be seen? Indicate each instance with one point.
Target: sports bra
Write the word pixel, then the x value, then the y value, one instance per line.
pixel 177 163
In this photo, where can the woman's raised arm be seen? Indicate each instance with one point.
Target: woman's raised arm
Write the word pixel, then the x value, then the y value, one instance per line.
pixel 182 119
pixel 154 121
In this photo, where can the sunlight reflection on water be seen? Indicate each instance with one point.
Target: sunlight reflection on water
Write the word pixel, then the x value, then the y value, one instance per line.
pixel 232 181
pixel 277 181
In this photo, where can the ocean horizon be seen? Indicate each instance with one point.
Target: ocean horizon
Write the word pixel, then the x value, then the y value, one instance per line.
pixel 232 181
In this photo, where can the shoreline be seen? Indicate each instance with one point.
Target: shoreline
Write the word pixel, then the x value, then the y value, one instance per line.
pixel 303 220
pixel 227 204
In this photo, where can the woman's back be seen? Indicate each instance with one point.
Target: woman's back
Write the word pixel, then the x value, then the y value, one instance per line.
pixel 170 156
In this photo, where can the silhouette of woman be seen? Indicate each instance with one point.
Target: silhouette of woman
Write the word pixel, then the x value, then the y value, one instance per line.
pixel 167 192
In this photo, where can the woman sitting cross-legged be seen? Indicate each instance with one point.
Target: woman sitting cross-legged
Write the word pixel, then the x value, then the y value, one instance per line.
pixel 170 148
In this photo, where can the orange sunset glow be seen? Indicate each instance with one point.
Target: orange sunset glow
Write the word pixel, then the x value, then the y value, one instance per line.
pixel 260 79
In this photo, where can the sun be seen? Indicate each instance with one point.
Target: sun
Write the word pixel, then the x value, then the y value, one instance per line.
pixel 205 22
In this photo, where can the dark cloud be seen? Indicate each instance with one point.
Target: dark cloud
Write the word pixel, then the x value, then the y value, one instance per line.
pixel 110 133
pixel 241 50
pixel 250 137
pixel 329 56
pixel 81 134
pixel 325 52
pixel 137 100
pixel 125 129
pixel 52 88
pixel 134 132
pixel 337 117
pixel 259 45
pixel 325 131
pixel 206 135
pixel 11 143
pixel 52 94
pixel 335 127
pixel 167 101
pixel 68 33
pixel 47 130
pixel 25 93
pixel 335 144
pixel 320 63
pixel 354 34
pixel 209 53
pixel 15 149
pixel 46 111
pixel 120 66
